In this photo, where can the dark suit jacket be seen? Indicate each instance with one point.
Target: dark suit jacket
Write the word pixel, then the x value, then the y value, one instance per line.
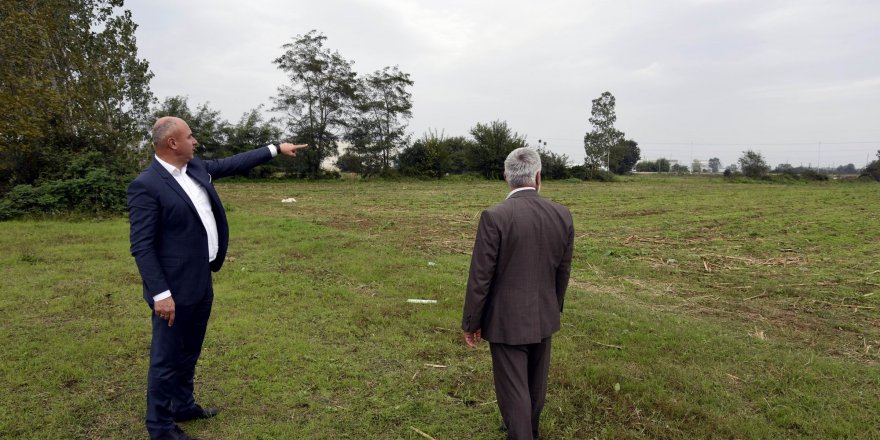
pixel 168 240
pixel 519 270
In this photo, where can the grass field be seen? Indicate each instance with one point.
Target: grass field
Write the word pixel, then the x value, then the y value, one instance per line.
pixel 697 309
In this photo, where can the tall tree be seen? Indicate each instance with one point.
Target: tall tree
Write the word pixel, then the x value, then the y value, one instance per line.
pixel 623 156
pixel 318 101
pixel 599 141
pixel 383 105
pixel 71 84
pixel 715 164
pixel 494 141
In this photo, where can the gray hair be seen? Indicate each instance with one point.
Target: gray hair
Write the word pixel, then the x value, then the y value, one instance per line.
pixel 521 166
pixel 162 130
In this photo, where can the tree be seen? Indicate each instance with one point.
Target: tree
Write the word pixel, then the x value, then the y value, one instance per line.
pixel 679 169
pixel 599 141
pixel 383 105
pixel 71 85
pixel 458 150
pixel 646 166
pixel 849 168
pixel 696 166
pixel 715 164
pixel 872 170
pixel 664 165
pixel 206 124
pixel 753 165
pixel 623 156
pixel 429 156
pixel 494 141
pixel 553 166
pixel 318 102
pixel 253 130
pixel 649 166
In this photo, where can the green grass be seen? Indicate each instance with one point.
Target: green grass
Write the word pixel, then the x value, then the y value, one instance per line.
pixel 697 309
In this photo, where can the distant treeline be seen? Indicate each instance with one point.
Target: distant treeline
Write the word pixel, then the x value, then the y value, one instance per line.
pixel 77 108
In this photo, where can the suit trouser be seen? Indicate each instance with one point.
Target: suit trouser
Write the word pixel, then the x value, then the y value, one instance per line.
pixel 520 385
pixel 173 356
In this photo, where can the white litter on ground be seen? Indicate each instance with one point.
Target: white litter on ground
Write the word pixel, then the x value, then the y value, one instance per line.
pixel 422 301
pixel 288 200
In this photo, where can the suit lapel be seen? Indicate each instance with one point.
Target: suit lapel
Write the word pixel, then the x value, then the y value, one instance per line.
pixel 172 182
pixel 203 178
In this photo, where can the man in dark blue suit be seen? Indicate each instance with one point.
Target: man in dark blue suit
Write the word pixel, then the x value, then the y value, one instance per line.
pixel 179 235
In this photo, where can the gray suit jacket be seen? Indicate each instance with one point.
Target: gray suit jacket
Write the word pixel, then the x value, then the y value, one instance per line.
pixel 519 270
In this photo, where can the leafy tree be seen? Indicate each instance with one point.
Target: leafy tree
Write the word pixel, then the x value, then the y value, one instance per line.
pixel 494 141
pixel 715 164
pixel 658 166
pixel 664 165
pixel 785 168
pixel 458 150
pixel 383 105
pixel 429 156
pixel 623 156
pixel 318 102
pixel 599 141
pixel 206 124
pixel 553 166
pixel 873 169
pixel 71 84
pixel 679 169
pixel 646 166
pixel 753 165
pixel 253 130
pixel 349 163
pixel 846 169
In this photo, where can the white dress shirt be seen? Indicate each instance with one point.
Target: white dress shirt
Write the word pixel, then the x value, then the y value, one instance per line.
pixel 520 189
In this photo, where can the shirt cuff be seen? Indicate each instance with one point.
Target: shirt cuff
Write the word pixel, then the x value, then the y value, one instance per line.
pixel 274 150
pixel 161 296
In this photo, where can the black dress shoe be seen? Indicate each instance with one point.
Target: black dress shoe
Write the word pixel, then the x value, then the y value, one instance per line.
pixel 174 434
pixel 197 413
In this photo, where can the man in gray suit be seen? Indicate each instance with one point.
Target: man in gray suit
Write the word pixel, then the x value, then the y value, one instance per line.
pixel 518 277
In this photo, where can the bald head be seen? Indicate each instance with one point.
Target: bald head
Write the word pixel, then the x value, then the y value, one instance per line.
pixel 163 129
pixel 173 140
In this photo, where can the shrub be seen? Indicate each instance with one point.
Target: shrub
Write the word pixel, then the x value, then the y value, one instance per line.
pixel 98 192
pixel 811 174
pixel 872 170
pixel 753 165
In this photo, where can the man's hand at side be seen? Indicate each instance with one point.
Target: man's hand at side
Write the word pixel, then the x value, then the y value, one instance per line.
pixel 472 338
pixel 165 310
pixel 290 149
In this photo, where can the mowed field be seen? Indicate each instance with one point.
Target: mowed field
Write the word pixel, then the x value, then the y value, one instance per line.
pixel 697 309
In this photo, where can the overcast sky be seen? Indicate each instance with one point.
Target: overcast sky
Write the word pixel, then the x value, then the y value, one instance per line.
pixel 798 81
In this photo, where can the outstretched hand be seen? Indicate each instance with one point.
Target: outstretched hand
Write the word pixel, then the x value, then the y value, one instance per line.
pixel 290 149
